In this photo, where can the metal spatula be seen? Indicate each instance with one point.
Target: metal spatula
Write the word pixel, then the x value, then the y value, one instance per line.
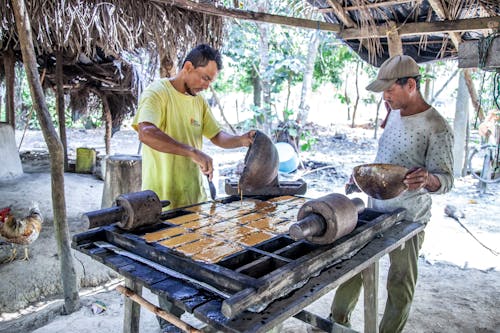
pixel 213 192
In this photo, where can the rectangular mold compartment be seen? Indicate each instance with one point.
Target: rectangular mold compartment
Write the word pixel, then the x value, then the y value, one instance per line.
pixel 261 267
pixel 297 250
pixel 240 259
pixel 368 215
pixel 275 244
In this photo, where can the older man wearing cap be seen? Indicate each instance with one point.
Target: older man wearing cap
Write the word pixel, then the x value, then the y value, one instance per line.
pixel 417 137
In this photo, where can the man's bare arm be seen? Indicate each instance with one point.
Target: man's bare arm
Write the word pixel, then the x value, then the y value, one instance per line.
pixel 155 138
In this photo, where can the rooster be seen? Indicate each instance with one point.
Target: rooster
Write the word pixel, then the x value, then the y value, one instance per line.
pixel 24 231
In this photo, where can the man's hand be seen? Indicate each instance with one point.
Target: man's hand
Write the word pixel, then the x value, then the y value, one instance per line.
pixel 351 187
pixel 204 161
pixel 418 178
pixel 228 141
pixel 247 138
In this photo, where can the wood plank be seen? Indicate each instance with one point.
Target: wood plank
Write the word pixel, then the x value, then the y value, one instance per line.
pixel 370 292
pixel 250 15
pixel 132 310
pixel 321 323
pixel 468 55
pixel 365 6
pixel 316 287
pixel 274 284
pixel 181 293
pixel 422 28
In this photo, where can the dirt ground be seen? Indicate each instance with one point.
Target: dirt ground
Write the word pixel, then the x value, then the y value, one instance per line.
pixel 459 279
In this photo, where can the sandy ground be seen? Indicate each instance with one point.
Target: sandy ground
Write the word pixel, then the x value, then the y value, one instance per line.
pixel 459 282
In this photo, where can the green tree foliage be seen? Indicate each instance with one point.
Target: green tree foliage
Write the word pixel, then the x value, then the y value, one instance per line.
pixel 331 62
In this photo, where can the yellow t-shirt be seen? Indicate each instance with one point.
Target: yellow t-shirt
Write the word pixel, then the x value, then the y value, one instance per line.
pixel 186 119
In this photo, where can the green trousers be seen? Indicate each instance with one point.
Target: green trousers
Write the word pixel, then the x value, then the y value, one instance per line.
pixel 401 281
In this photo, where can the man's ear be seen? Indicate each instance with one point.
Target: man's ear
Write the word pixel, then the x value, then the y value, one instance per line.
pixel 412 84
pixel 188 66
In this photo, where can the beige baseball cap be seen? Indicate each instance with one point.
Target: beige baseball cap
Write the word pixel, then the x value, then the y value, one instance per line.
pixel 394 68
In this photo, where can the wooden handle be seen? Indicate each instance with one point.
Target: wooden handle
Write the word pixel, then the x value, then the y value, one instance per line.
pixel 156 310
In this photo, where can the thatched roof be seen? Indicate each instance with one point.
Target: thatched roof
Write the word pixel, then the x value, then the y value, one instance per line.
pixel 93 35
pixel 429 29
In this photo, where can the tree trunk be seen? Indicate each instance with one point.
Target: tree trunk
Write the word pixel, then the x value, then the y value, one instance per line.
pixel 9 63
pixel 346 96
pixel 219 104
pixel 355 108
pixel 68 274
pixel 305 94
pixel 376 118
pixel 460 126
pixel 60 105
pixel 257 88
pixel 444 86
pixel 288 93
pixel 264 64
pixel 473 94
pixel 106 112
pixel 427 85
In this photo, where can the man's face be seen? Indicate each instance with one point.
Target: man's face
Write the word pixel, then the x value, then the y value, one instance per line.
pixel 200 78
pixel 398 96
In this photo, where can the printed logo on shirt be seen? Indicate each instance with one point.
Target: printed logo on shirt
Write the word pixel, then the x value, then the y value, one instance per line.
pixel 195 123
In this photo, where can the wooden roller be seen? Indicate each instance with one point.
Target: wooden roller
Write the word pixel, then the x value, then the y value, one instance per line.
pixel 131 211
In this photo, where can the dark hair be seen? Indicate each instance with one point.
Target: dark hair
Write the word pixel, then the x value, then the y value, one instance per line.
pixel 202 54
pixel 404 80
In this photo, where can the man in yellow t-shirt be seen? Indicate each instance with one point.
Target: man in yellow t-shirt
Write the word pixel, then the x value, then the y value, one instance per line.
pixel 171 122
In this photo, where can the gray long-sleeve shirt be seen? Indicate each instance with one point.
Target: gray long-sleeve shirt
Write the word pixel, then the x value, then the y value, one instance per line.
pixel 421 140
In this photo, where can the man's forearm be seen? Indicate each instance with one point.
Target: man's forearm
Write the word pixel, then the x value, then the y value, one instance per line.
pixel 155 138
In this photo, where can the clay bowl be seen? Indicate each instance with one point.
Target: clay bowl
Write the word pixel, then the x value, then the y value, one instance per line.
pixel 380 181
pixel 261 164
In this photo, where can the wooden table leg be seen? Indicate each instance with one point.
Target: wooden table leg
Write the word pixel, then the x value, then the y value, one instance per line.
pixel 370 287
pixel 132 313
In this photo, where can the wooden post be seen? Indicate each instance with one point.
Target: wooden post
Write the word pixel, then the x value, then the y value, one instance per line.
pixel 108 122
pixel 60 105
pixel 132 310
pixel 370 287
pixel 460 127
pixel 394 41
pixel 123 175
pixel 10 79
pixel 68 273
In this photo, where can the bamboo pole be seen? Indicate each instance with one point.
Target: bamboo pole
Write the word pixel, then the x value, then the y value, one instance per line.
pixel 156 310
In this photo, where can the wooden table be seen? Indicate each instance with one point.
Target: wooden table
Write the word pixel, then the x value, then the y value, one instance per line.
pixel 206 305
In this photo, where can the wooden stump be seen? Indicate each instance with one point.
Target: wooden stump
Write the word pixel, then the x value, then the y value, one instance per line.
pixel 123 175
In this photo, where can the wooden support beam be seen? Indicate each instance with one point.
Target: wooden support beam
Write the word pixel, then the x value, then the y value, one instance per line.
pixel 438 8
pixel 132 310
pixel 368 5
pixel 250 15
pixel 9 62
pixel 370 292
pixel 394 41
pixel 339 11
pixel 423 28
pixel 60 105
pixel 156 310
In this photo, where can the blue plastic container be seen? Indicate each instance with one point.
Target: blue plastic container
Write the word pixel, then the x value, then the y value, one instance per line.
pixel 289 161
